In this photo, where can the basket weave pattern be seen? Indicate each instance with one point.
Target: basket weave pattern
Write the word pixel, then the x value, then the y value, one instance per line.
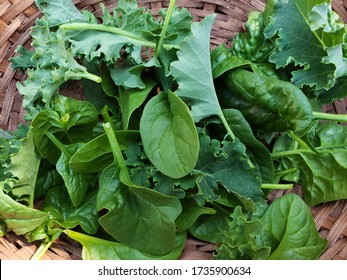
pixel 16 18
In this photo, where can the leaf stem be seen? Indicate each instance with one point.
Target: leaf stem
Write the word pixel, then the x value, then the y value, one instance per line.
pixel 80 236
pixel 58 144
pixel 136 40
pixel 290 153
pixel 116 150
pixel 277 186
pixel 84 75
pixel 330 117
pixel 285 172
pixel 298 140
pixel 41 251
pixel 165 27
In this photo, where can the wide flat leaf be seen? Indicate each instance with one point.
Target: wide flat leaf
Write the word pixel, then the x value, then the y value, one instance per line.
pixel 169 135
pixel 138 217
pixel 314 41
pixel 293 232
pixel 130 100
pixel 19 218
pixel 193 63
pixel 77 184
pixel 101 249
pixel 321 173
pixel 60 210
pixel 243 132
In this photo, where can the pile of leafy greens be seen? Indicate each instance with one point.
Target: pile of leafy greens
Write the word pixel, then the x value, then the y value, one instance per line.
pixel 170 140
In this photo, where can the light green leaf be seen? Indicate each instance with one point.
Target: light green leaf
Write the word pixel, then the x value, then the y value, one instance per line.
pixel 24 168
pixel 19 218
pixel 59 11
pixel 169 135
pixel 193 63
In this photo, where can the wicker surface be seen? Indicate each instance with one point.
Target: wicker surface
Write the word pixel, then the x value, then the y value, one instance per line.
pixel 16 18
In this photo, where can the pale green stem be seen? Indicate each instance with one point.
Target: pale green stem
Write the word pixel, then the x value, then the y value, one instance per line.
pixel 298 140
pixel 84 75
pixel 285 172
pixel 41 251
pixel 57 143
pixel 330 117
pixel 137 40
pixel 290 153
pixel 277 186
pixel 116 150
pixel 165 27
pixel 80 236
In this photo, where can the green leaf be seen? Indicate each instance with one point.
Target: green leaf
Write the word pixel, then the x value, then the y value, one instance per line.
pixel 322 174
pixel 55 64
pixel 60 210
pixel 19 218
pixel 293 232
pixel 223 60
pixel 76 184
pixel 101 249
pixel 78 118
pixel 96 154
pixel 224 164
pixel 210 228
pixel 191 211
pixel 138 217
pixel 130 100
pixel 242 240
pixel 314 42
pixel 244 133
pixel 24 169
pixel 193 63
pixel 71 120
pixel 169 135
pixel 59 11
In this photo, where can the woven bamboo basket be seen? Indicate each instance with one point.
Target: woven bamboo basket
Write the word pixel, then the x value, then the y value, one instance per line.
pixel 16 18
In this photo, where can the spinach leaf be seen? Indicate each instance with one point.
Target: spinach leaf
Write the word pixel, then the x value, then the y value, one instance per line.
pixel 130 100
pixel 286 231
pixel 244 132
pixel 101 249
pixel 323 172
pixel 19 218
pixel 70 120
pixel 169 135
pixel 292 230
pixel 61 211
pixel 148 215
pixel 76 184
